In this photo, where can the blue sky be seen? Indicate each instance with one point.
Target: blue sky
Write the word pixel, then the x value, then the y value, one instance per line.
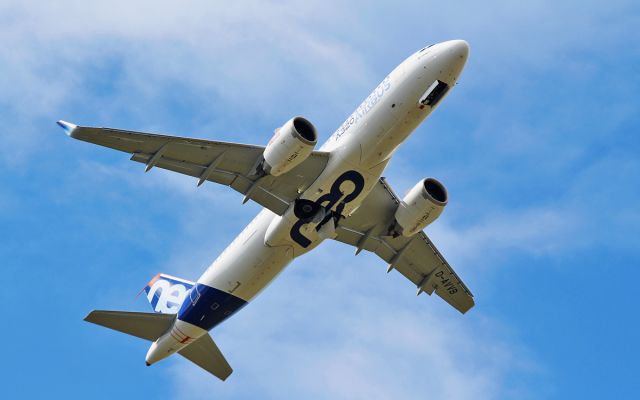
pixel 537 145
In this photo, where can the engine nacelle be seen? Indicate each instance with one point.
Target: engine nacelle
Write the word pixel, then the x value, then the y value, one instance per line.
pixel 421 206
pixel 290 146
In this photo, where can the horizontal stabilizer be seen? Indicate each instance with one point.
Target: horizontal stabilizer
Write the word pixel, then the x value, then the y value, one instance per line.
pixel 149 326
pixel 205 354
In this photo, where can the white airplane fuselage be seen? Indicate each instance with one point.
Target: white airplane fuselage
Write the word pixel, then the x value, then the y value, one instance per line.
pixel 359 151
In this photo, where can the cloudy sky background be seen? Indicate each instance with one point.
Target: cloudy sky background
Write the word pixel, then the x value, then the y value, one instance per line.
pixel 537 145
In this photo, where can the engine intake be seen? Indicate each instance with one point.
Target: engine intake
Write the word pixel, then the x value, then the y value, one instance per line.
pixel 420 207
pixel 291 145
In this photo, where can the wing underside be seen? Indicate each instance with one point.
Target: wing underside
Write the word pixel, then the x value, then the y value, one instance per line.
pixel 230 164
pixel 417 258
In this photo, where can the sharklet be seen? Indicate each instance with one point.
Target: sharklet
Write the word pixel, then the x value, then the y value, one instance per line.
pixel 68 127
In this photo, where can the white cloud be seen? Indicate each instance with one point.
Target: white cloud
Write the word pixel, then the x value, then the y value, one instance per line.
pixel 498 235
pixel 242 54
pixel 336 327
pixel 331 325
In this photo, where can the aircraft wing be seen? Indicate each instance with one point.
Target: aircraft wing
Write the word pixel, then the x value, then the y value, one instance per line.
pixel 416 258
pixel 230 164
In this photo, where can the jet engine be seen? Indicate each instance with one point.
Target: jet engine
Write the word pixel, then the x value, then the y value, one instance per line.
pixel 291 144
pixel 421 206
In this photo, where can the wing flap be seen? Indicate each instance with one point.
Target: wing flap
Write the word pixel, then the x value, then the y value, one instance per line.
pixel 263 194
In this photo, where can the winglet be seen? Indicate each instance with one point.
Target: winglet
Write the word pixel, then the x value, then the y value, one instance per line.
pixel 68 127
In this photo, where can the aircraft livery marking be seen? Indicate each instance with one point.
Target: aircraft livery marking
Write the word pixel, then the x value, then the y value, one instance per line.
pixel 364 108
pixel 166 295
pixel 329 200
pixel 207 306
pixel 446 283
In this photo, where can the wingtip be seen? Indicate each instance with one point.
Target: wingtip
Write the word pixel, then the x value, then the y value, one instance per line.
pixel 67 126
pixel 88 316
pixel 224 378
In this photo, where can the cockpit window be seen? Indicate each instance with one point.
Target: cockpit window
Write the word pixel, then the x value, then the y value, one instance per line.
pixel 434 94
pixel 424 48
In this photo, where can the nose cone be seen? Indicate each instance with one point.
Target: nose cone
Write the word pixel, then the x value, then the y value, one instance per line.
pixel 451 57
pixel 457 49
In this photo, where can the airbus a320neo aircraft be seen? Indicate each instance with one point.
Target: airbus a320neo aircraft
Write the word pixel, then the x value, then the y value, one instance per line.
pixel 308 196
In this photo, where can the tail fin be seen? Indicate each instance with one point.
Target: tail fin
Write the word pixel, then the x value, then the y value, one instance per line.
pixel 206 355
pixel 149 326
pixel 166 293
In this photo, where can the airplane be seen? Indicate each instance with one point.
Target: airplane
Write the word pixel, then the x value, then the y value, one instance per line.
pixel 308 196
